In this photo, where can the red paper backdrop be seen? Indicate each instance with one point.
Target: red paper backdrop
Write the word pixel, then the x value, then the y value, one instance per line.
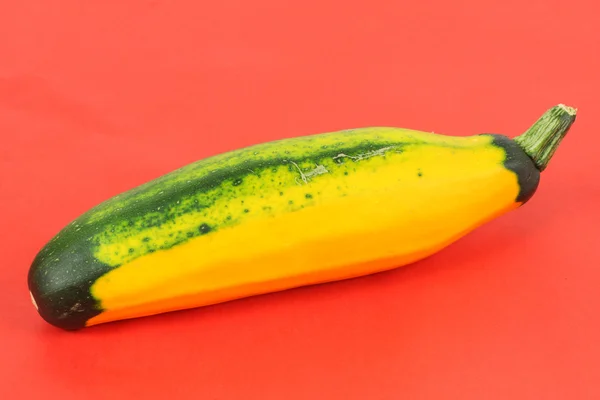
pixel 99 96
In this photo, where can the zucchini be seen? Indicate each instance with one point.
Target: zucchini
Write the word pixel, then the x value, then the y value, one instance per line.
pixel 285 214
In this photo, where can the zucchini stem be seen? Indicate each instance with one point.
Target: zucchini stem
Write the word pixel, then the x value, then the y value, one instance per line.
pixel 542 139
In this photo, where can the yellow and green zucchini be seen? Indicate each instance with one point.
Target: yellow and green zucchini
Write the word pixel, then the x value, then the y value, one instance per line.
pixel 285 214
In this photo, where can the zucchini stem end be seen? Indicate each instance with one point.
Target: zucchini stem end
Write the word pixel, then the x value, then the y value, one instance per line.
pixel 542 139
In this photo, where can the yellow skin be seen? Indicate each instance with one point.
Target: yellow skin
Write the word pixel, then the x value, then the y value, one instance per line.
pixel 408 196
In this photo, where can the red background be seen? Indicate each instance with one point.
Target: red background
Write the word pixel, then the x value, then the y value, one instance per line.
pixel 99 96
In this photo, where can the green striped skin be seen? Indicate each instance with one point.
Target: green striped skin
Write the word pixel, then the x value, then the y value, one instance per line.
pixel 211 194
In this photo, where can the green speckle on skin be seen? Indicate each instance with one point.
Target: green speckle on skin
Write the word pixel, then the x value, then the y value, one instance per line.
pixel 204 229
